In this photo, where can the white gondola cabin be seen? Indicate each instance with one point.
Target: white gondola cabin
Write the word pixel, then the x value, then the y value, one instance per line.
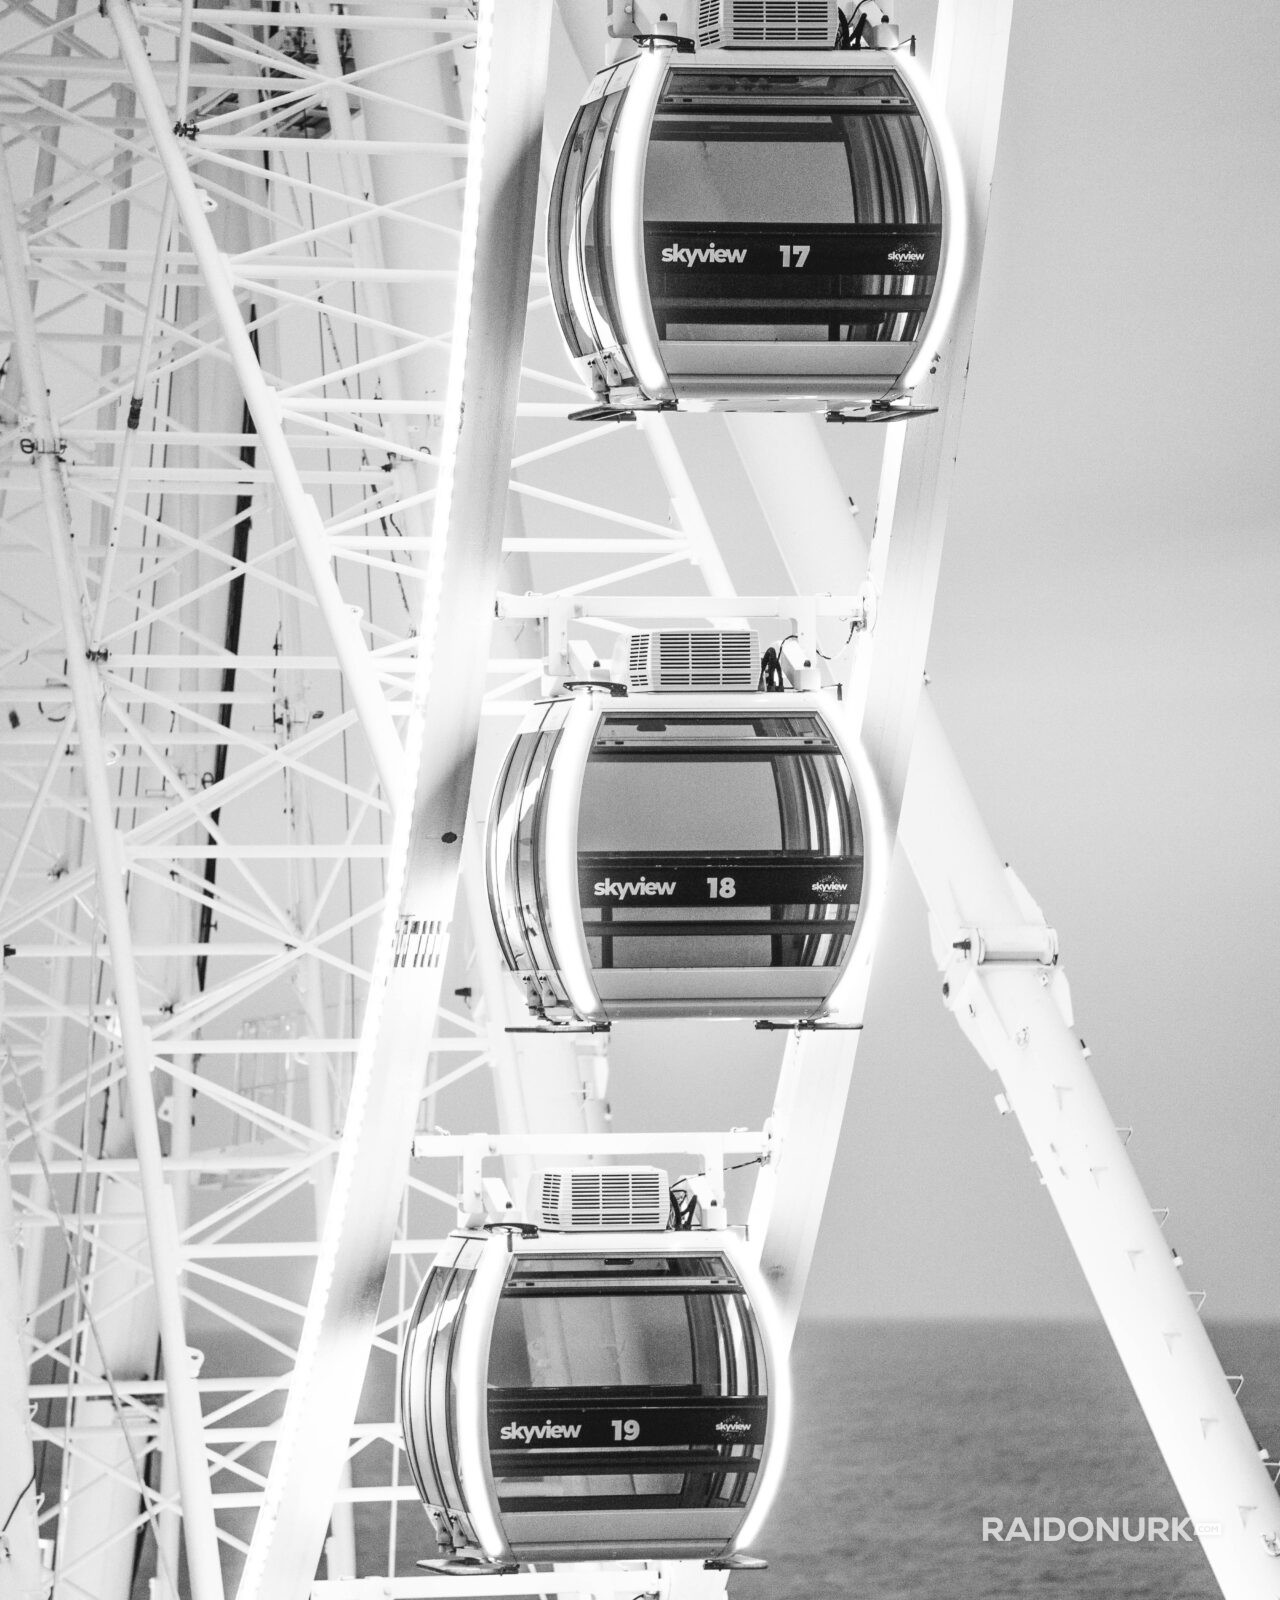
pixel 684 854
pixel 756 230
pixel 611 1397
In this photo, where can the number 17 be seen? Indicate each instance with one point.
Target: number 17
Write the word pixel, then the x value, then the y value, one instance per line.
pixel 799 251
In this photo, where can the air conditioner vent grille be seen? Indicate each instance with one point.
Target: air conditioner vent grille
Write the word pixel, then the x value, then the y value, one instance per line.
pixel 609 1199
pixel 767 24
pixel 706 660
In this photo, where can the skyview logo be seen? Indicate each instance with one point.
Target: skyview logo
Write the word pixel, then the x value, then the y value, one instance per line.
pixel 540 1430
pixel 732 1427
pixel 687 256
pixel 614 888
pixel 826 888
pixel 904 256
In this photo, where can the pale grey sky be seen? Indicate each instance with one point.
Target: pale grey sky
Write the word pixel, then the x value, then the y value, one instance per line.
pixel 1103 660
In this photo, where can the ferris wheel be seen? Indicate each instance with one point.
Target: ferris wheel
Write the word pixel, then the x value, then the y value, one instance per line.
pixel 438 639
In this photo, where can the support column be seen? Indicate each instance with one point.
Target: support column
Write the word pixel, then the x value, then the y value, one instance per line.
pixel 1167 1354
pixel 493 282
pixel 1017 1015
pixel 22 1575
pixel 184 1401
pixel 970 49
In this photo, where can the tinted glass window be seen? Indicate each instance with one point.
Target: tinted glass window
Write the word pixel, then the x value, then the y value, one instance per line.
pixel 779 207
pixel 717 842
pixel 635 1383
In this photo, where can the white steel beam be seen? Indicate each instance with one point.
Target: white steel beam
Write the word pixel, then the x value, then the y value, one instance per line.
pixel 21 1571
pixel 493 279
pixel 184 1403
pixel 265 404
pixel 1017 1015
pixel 968 67
pixel 1082 1159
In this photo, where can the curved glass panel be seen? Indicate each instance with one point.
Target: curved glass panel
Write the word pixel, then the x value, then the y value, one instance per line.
pixel 428 1389
pixel 596 232
pixel 578 230
pixel 800 206
pixel 636 1382
pixel 709 840
pixel 564 251
pixel 515 851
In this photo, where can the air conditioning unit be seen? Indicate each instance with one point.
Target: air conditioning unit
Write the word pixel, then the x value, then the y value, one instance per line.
pixel 696 660
pixel 767 24
pixel 600 1199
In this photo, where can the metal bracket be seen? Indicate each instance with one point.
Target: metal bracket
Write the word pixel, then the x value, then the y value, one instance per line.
pixel 1028 945
pixel 601 414
pixel 559 1029
pixel 557 613
pixel 807 1025
pixel 882 411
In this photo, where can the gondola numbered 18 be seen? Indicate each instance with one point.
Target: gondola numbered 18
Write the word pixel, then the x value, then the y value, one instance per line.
pixel 756 230
pixel 707 854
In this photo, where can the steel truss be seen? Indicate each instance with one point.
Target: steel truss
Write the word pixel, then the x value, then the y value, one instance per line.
pixel 256 283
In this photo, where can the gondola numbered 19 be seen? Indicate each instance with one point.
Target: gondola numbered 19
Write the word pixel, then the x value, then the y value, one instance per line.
pixel 704 852
pixel 756 230
pixel 610 1396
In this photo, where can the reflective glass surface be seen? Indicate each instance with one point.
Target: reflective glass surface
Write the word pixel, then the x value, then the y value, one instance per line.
pixel 790 207
pixel 708 841
pixel 578 229
pixel 631 1383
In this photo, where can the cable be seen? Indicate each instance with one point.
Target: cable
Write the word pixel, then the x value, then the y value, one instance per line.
pixel 682 1211
pixel 770 680
pixel 14 1507
pixel 853 628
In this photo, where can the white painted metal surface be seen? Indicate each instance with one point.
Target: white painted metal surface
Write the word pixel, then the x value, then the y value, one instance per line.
pixel 1016 1012
pixel 252 588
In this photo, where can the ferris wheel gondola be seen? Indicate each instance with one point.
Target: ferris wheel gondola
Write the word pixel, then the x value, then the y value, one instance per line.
pixel 756 230
pixel 612 1397
pixel 684 854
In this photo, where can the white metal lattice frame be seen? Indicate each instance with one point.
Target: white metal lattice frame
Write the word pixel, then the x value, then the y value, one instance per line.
pixel 247 814
pixel 242 621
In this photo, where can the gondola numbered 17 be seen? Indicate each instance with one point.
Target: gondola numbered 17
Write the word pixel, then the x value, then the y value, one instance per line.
pixel 756 230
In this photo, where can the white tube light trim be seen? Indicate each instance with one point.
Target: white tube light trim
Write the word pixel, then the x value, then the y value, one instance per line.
pixel 778 1432
pixel 472 1390
pixel 630 281
pixel 566 942
pixel 875 866
pixel 955 224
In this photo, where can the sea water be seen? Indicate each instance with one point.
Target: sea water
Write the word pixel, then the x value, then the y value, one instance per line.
pixel 907 1435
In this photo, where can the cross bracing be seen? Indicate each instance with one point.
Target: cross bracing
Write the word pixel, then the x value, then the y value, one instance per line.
pixel 240 234
pixel 247 815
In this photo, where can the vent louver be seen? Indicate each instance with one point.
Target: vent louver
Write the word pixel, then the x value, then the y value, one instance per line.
pixel 703 660
pixel 767 24
pixel 600 1199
